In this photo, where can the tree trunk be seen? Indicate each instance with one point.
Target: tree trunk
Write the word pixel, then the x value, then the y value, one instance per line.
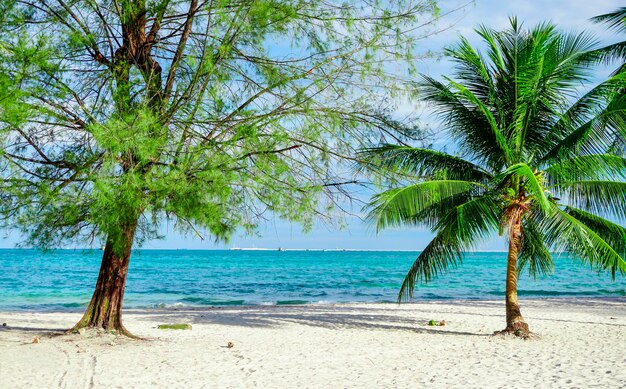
pixel 515 323
pixel 105 309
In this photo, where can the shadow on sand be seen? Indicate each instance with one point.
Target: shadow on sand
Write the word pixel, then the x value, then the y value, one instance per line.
pixel 331 317
pixel 361 317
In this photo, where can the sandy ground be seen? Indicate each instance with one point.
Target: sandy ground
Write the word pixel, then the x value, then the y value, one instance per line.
pixel 582 344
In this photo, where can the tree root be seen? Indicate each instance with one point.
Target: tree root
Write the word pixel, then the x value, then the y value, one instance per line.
pixel 119 331
pixel 518 329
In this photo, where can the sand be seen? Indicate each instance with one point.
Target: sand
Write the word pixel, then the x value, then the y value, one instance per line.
pixel 582 344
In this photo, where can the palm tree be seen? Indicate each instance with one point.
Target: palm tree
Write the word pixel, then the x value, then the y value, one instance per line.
pixel 531 165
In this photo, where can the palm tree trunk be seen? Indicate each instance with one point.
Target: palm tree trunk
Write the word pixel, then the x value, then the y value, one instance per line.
pixel 515 323
pixel 105 309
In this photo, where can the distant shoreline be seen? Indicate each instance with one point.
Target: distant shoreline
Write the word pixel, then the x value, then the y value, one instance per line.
pixel 248 249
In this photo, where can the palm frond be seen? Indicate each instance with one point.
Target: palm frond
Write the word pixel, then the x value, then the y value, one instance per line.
pixel 613 53
pixel 564 231
pixel 572 56
pixel 606 198
pixel 587 167
pixel 400 206
pixel 612 233
pixel 590 125
pixel 432 214
pixel 616 19
pixel 462 228
pixel 442 253
pixel 467 123
pixel 485 111
pixel 590 138
pixel 534 252
pixel 490 37
pixel 420 162
pixel 473 70
pixel 552 70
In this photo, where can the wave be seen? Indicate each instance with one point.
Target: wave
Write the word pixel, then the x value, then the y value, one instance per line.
pixel 74 305
pixel 166 306
pixel 212 302
pixel 291 302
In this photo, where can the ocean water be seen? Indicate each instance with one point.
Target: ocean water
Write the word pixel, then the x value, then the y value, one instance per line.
pixel 64 279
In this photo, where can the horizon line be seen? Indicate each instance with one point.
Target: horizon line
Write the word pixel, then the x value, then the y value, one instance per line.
pixel 246 249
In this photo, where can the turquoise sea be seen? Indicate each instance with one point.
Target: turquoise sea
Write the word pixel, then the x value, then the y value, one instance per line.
pixel 64 279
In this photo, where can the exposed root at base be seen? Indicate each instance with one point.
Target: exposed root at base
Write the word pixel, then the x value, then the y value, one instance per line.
pixel 120 331
pixel 519 330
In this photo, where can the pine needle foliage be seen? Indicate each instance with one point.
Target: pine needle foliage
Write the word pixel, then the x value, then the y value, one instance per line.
pixel 117 116
pixel 214 115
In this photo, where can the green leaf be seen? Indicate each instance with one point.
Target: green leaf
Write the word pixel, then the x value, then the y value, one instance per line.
pixel 419 162
pixel 588 167
pixel 605 198
pixel 564 231
pixel 462 228
pixel 534 252
pixel 612 233
pixel 530 180
pixel 590 125
pixel 396 207
pixel 501 140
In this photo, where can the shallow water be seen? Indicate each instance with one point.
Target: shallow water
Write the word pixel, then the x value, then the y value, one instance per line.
pixel 64 279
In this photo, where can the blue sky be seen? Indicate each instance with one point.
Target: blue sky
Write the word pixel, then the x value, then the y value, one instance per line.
pixel 572 15
pixel 569 15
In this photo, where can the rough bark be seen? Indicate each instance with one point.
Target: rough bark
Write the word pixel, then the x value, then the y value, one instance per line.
pixel 105 309
pixel 515 323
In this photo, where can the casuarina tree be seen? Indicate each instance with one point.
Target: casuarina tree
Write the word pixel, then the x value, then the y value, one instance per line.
pixel 531 161
pixel 117 115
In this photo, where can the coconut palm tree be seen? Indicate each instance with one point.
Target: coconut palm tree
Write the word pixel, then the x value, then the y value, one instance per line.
pixel 531 164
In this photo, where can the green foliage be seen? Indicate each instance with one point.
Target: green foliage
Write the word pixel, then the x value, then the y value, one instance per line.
pixel 615 20
pixel 210 115
pixel 458 229
pixel 526 153
pixel 179 326
pixel 425 163
pixel 521 178
pixel 534 253
pixel 567 230
pixel 406 205
pixel 588 167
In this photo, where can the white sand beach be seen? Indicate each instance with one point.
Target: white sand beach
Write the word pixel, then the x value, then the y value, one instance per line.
pixel 582 344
